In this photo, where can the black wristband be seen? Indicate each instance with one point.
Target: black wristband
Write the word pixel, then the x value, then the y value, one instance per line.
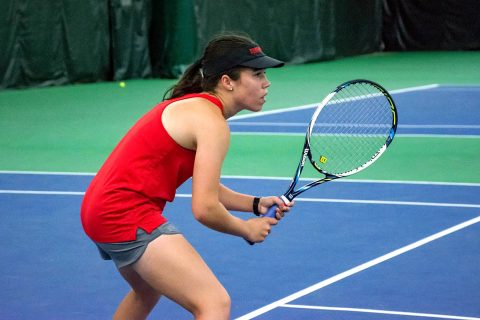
pixel 256 200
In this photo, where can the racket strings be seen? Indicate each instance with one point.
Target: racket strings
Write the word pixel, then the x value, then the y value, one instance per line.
pixel 351 128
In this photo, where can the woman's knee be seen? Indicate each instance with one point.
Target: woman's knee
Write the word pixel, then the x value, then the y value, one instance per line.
pixel 224 301
pixel 216 307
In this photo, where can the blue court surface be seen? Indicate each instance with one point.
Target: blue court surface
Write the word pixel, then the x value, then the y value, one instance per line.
pixel 421 111
pixel 349 250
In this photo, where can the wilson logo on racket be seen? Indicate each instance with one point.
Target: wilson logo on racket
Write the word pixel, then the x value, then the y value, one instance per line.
pixel 305 153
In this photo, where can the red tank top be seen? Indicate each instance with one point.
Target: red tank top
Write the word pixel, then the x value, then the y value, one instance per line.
pixel 141 174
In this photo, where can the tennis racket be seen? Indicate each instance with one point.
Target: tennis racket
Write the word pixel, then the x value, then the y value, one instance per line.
pixel 349 130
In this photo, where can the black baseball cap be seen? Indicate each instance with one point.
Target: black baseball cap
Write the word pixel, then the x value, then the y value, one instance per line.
pixel 251 56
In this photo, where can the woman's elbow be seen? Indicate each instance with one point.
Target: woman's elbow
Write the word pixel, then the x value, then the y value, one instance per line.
pixel 202 210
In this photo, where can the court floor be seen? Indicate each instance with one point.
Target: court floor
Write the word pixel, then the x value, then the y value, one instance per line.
pixel 350 250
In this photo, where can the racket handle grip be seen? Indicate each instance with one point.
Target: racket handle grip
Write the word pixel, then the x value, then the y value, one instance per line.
pixel 271 213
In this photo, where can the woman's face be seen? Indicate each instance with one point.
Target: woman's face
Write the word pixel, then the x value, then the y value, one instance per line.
pixel 251 89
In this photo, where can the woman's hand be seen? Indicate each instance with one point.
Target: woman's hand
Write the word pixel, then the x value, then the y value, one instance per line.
pixel 266 202
pixel 259 229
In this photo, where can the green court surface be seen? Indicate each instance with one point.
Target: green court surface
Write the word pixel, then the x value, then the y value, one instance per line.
pixel 408 158
pixel 74 128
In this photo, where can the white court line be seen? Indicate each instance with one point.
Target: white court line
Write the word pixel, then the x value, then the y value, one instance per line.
pixel 267 133
pixel 399 135
pixel 48 173
pixel 441 126
pixel 269 124
pixel 439 183
pixel 304 124
pixel 299 199
pixel 438 136
pixel 357 269
pixel 361 310
pixel 313 105
pixel 43 192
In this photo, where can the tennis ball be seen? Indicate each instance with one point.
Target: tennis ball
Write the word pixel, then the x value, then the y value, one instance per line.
pixel 122 84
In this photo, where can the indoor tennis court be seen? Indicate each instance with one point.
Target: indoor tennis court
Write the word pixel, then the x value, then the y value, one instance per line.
pixel 399 240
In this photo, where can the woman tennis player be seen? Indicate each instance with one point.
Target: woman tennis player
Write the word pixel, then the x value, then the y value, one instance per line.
pixel 184 136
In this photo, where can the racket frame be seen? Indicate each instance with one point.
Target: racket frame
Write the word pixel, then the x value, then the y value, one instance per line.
pixel 291 193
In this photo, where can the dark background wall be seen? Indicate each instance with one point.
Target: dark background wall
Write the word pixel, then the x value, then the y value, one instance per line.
pixel 66 41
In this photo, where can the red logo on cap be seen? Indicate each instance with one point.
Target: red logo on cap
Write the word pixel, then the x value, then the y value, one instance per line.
pixel 255 50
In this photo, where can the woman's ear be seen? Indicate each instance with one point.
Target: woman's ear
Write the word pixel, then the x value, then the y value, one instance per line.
pixel 226 82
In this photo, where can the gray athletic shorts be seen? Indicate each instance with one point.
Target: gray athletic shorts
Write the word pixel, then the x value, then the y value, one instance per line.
pixel 126 253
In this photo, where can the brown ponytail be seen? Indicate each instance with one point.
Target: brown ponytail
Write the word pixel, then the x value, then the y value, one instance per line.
pixel 190 82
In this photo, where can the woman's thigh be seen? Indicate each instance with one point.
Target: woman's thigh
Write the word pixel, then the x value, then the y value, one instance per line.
pixel 173 267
